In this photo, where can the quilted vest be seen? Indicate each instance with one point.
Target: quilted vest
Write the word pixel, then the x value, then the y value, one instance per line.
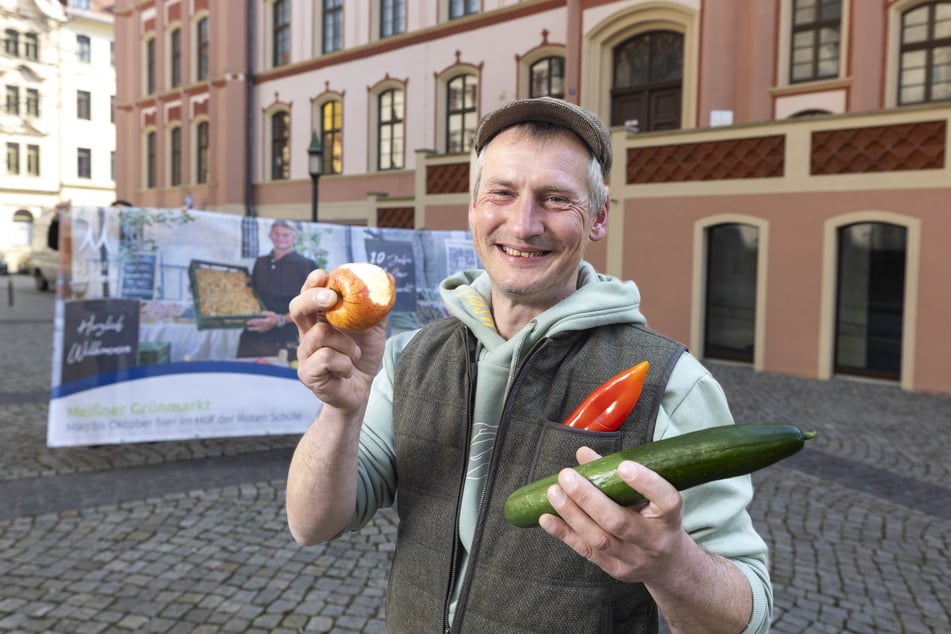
pixel 518 579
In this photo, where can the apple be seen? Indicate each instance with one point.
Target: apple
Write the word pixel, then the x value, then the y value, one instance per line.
pixel 366 295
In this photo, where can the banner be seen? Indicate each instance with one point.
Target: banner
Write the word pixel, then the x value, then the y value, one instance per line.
pixel 151 338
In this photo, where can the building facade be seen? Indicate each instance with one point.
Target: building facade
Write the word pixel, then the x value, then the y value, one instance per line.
pixel 781 192
pixel 56 123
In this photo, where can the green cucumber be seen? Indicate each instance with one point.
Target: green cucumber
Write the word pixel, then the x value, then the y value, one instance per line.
pixel 685 461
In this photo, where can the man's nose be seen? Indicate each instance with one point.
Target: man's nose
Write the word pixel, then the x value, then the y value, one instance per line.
pixel 527 216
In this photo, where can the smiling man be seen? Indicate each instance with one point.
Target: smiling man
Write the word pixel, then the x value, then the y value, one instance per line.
pixel 457 415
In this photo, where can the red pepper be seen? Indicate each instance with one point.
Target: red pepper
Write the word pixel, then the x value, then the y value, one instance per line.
pixel 607 406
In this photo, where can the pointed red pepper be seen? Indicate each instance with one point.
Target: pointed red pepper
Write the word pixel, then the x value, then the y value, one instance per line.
pixel 607 406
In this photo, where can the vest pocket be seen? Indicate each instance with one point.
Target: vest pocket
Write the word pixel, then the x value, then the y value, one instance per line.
pixel 557 446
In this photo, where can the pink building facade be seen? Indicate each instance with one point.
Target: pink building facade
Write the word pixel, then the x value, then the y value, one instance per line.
pixel 781 190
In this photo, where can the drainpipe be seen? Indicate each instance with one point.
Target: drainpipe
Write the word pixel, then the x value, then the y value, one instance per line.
pixel 249 87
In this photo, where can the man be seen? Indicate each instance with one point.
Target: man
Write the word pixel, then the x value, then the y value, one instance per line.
pixel 462 412
pixel 276 277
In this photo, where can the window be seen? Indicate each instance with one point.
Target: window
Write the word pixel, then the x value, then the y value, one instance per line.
pixel 730 312
pixel 331 133
pixel 33 160
pixel 80 4
pixel 548 78
pixel 333 26
pixel 459 8
pixel 11 42
pixel 175 156
pixel 150 160
pixel 201 44
pixel 84 163
pixel 13 100
pixel 390 152
pixel 461 115
pixel 32 102
pixel 83 106
pixel 201 152
pixel 815 40
pixel 31 46
pixel 175 58
pixel 150 66
pixel 13 158
pixel 647 81
pixel 280 146
pixel 83 49
pixel 281 33
pixel 112 109
pixel 392 17
pixel 925 67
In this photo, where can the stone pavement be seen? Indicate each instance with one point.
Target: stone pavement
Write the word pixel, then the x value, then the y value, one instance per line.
pixel 190 536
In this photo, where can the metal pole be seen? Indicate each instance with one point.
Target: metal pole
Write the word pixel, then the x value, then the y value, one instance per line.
pixel 313 201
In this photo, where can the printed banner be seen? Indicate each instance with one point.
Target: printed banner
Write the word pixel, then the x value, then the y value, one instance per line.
pixel 152 339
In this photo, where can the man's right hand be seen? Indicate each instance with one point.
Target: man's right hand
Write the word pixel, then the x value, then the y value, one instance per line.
pixel 338 367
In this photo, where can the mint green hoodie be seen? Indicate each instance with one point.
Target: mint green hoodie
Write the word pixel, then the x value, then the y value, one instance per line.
pixel 714 514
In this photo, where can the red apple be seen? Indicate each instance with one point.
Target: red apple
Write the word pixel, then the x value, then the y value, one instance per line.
pixel 367 294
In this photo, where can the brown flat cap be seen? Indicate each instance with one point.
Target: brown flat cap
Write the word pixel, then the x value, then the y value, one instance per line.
pixel 586 125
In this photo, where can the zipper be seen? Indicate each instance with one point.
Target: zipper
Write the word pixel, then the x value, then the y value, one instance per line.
pixel 472 351
pixel 489 481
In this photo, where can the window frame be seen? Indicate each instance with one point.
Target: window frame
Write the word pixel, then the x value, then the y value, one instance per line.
pixel 202 47
pixel 84 160
pixel 927 45
pixel 392 19
pixel 11 42
pixel 202 151
pixel 31 46
pixel 32 159
pixel 175 156
pixel 13 158
pixel 280 145
pixel 12 100
pixel 84 105
pixel 32 102
pixel 280 33
pixel 531 78
pixel 175 56
pixel 467 115
pixel 397 157
pixel 331 140
pixel 150 164
pixel 83 49
pixel 816 28
pixel 148 64
pixel 331 22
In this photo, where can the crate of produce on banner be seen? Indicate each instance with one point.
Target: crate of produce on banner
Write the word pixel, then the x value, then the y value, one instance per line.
pixel 223 295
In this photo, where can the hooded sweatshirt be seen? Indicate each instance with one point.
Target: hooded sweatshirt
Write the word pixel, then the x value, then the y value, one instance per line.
pixel 714 514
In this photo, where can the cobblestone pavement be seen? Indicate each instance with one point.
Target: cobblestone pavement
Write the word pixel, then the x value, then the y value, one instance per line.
pixel 191 537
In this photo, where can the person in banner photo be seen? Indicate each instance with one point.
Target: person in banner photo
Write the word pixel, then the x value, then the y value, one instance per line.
pixel 448 420
pixel 276 277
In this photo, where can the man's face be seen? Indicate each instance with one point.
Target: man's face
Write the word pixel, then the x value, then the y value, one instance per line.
pixel 530 220
pixel 283 238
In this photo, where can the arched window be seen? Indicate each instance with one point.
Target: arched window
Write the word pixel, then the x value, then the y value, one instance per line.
pixel 925 62
pixel 280 145
pixel 547 78
pixel 202 150
pixel 462 93
pixel 331 133
pixel 730 311
pixel 647 81
pixel 870 295
pixel 390 130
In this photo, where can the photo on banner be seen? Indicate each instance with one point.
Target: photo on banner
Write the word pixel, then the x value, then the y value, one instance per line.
pixel 152 338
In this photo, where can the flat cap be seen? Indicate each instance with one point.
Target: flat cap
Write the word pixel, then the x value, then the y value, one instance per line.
pixel 586 125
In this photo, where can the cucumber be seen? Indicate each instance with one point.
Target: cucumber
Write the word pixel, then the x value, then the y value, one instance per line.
pixel 685 461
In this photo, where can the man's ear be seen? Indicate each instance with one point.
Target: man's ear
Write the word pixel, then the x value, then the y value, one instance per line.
pixel 600 226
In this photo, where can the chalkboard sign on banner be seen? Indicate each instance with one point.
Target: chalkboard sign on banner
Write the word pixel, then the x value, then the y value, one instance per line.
pixel 397 258
pixel 99 336
pixel 138 276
